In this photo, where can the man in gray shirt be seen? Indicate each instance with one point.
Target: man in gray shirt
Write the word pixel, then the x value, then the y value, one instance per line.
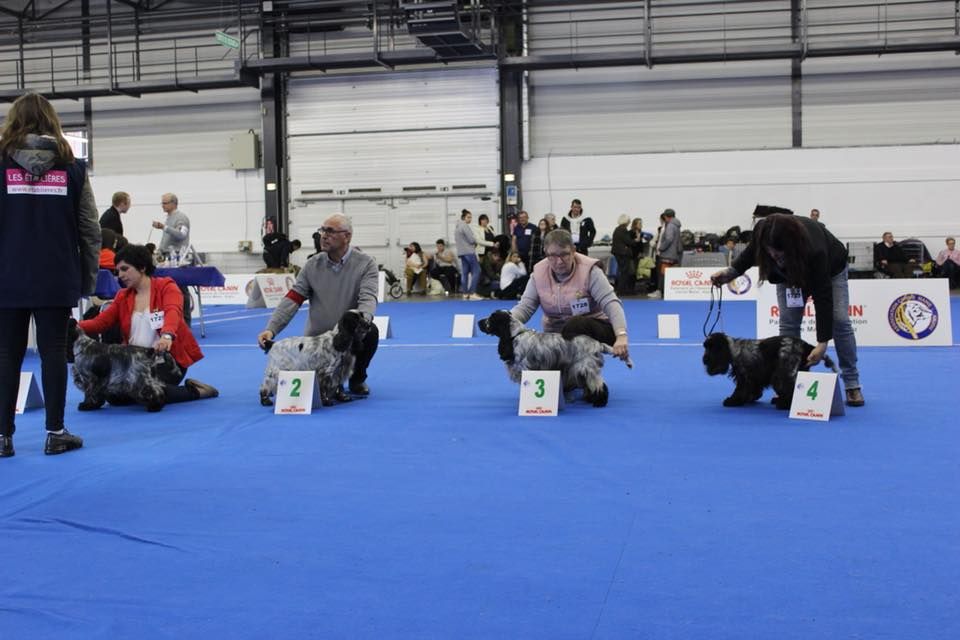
pixel 337 279
pixel 175 243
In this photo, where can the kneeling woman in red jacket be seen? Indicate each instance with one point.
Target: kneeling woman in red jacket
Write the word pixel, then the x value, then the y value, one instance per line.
pixel 149 312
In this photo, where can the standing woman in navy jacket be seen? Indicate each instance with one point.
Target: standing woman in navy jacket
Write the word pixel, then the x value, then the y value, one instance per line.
pixel 46 196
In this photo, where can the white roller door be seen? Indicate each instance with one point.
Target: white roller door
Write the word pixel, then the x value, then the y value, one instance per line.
pixel 399 152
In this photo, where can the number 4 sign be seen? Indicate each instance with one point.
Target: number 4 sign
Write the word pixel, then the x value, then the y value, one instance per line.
pixel 539 393
pixel 816 396
pixel 298 393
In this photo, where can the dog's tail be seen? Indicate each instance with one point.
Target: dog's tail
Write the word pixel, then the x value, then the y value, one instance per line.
pixel 267 345
pixel 609 350
pixel 828 362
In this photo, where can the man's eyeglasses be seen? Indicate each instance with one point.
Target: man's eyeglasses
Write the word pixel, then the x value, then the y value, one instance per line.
pixel 166 202
pixel 330 230
pixel 559 256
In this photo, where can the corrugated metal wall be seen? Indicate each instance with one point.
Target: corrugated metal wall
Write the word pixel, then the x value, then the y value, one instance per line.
pixel 401 153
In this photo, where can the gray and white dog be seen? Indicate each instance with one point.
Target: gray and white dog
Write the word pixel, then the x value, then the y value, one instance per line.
pixel 579 360
pixel 755 365
pixel 119 373
pixel 332 355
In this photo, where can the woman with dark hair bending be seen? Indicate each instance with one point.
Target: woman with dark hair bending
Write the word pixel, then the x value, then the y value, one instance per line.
pixel 149 312
pixel 804 260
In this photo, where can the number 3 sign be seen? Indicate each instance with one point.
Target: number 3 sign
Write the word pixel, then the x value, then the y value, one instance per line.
pixel 539 393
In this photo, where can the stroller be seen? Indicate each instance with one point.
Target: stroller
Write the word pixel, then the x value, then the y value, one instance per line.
pixel 394 288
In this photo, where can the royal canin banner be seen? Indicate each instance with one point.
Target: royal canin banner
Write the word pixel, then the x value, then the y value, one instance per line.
pixel 908 312
pixel 693 283
pixel 52 183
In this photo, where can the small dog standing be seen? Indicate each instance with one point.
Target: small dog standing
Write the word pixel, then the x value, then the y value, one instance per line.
pixel 115 372
pixel 757 364
pixel 579 360
pixel 332 355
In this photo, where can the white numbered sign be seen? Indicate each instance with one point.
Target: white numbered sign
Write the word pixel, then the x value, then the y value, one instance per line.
pixel 668 326
pixel 816 396
pixel 29 396
pixel 539 393
pixel 298 393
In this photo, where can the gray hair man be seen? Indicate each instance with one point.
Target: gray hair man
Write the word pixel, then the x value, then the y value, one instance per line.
pixel 337 279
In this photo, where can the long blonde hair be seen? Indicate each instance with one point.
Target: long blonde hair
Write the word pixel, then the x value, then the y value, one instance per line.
pixel 32 113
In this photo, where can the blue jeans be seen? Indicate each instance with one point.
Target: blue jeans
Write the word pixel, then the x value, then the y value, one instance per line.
pixel 469 273
pixel 844 340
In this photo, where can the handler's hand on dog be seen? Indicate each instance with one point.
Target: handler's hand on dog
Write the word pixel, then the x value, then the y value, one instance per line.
pixel 263 337
pixel 721 278
pixel 817 354
pixel 620 348
pixel 163 344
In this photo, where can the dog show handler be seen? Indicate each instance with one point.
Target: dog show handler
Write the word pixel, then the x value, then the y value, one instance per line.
pixel 575 295
pixel 337 279
pixel 804 260
pixel 149 312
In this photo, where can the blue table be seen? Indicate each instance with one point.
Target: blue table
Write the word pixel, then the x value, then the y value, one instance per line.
pixel 195 277
pixel 107 285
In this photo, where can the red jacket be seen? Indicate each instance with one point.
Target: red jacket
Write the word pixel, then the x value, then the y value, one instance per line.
pixel 164 296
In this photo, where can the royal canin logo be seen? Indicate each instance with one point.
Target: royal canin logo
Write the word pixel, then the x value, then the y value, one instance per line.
pixel 694 275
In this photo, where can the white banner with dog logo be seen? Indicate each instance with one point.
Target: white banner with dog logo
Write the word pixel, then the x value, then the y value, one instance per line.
pixel 298 393
pixel 539 393
pixel 909 312
pixel 816 396
pixel 28 397
pixel 273 287
pixel 693 283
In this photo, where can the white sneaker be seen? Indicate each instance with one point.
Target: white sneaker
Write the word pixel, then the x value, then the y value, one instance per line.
pixel 474 296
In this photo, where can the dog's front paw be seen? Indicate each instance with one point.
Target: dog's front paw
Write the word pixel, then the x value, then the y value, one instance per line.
pixel 783 403
pixel 265 400
pixel 89 405
pixel 732 402
pixel 342 396
pixel 153 407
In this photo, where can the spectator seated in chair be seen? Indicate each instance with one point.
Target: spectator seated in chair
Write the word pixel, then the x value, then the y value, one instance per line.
pixel 948 263
pixel 444 267
pixel 513 278
pixel 490 268
pixel 415 268
pixel 890 260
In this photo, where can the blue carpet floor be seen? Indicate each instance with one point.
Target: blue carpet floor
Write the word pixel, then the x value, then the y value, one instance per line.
pixel 430 510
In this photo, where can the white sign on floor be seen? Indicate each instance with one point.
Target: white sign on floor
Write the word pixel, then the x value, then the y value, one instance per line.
pixel 668 326
pixel 816 396
pixel 463 325
pixel 539 393
pixel 383 326
pixel 298 393
pixel 28 396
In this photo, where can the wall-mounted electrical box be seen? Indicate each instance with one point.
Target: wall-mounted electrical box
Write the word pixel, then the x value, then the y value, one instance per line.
pixel 245 151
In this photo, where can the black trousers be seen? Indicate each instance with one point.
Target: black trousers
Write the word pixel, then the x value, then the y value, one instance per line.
pixel 597 329
pixel 370 343
pixel 513 289
pixel 448 277
pixel 626 273
pixel 187 306
pixel 52 343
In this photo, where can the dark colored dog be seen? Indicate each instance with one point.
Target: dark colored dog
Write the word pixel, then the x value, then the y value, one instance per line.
pixel 757 364
pixel 579 360
pixel 332 355
pixel 119 373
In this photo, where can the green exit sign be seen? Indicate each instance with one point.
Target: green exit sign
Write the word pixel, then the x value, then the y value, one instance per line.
pixel 227 40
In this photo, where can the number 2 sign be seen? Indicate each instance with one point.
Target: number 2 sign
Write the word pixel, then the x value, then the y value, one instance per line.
pixel 297 393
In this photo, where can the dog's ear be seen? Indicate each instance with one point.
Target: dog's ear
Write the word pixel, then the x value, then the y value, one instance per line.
pixel 505 348
pixel 342 339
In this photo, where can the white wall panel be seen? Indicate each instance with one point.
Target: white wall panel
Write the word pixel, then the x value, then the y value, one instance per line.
pixel 677 108
pixel 861 192
pixel 430 129
pixel 903 99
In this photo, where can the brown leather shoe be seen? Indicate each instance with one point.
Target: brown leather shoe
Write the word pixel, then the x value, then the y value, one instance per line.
pixel 202 390
pixel 854 398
